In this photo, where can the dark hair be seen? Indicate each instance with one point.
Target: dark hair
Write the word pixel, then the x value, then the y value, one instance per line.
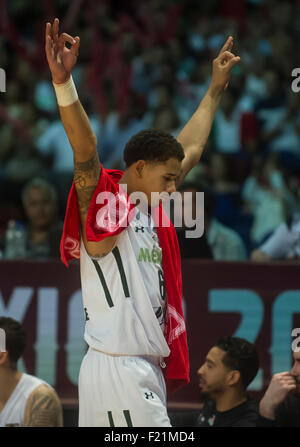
pixel 152 145
pixel 15 339
pixel 241 356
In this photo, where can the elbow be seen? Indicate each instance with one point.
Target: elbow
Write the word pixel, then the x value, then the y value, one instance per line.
pixel 93 141
pixel 87 145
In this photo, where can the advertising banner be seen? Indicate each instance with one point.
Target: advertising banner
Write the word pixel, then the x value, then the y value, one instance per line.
pixel 258 302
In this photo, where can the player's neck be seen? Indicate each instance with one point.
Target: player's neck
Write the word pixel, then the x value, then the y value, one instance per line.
pixel 126 180
pixel 9 379
pixel 229 400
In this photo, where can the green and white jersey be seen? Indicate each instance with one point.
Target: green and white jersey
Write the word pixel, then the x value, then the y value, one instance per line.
pixel 124 294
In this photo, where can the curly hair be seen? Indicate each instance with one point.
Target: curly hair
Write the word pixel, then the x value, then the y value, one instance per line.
pixel 241 356
pixel 152 145
pixel 15 339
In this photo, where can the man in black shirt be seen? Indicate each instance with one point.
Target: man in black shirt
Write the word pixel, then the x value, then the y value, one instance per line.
pixel 280 406
pixel 229 367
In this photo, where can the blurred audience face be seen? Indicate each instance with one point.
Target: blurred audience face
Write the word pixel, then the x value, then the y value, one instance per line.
pixel 166 119
pixel 220 168
pixel 40 208
pixel 162 96
pixel 272 82
pixel 213 375
pixel 296 372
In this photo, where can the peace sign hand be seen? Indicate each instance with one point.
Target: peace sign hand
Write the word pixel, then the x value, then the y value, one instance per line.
pixel 222 66
pixel 61 59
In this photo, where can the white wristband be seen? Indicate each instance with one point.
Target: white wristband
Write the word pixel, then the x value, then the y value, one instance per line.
pixel 66 93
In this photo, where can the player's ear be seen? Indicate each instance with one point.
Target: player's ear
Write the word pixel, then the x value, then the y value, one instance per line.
pixel 233 377
pixel 139 168
pixel 3 357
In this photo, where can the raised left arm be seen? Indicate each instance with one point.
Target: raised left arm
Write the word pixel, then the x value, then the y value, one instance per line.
pixel 194 135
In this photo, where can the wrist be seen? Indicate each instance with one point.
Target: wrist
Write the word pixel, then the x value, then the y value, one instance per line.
pixel 215 92
pixel 267 409
pixel 66 93
pixel 61 81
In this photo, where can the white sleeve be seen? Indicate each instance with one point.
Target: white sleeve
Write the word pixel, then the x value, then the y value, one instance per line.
pixel 278 245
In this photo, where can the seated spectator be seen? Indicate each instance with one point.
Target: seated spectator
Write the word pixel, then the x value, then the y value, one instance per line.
pixel 166 119
pixel 43 230
pixel 218 242
pixel 118 129
pixel 25 400
pixel 286 132
pixel 265 194
pixel 280 405
pixel 228 120
pixel 284 243
pixel 229 368
pixel 223 173
pixel 271 109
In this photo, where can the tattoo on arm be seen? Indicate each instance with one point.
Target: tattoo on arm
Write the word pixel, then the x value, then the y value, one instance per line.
pixel 86 175
pixel 43 409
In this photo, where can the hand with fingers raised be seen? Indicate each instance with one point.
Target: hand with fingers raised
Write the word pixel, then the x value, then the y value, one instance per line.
pixel 61 59
pixel 222 66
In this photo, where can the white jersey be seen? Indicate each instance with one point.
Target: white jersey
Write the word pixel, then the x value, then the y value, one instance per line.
pixel 124 294
pixel 12 414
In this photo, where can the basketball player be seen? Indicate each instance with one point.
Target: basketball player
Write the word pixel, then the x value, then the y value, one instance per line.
pixel 25 400
pixel 131 277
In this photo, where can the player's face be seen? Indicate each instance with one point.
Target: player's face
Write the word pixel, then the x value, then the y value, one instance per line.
pixel 296 372
pixel 39 207
pixel 213 373
pixel 158 178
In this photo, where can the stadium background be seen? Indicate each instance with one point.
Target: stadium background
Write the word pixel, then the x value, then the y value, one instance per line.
pixel 147 64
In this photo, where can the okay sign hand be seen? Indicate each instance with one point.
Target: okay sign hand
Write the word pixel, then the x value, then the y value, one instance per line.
pixel 61 59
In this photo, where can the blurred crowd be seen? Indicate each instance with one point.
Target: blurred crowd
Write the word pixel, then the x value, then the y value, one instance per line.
pixel 147 63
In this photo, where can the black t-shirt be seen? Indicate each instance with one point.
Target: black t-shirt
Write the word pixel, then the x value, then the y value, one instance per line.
pixel 244 415
pixel 287 414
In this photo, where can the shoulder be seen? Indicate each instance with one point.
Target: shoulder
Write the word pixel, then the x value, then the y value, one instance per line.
pixel 291 403
pixel 43 408
pixel 247 414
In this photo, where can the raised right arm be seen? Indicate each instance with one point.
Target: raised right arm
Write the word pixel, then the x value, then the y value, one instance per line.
pixel 61 61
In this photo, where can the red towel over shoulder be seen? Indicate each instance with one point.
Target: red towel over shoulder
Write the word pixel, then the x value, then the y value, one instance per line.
pixel 102 222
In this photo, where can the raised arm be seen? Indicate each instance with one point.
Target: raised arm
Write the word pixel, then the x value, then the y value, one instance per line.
pixel 61 61
pixel 194 135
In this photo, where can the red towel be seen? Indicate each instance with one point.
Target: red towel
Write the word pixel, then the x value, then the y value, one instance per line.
pixel 102 223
